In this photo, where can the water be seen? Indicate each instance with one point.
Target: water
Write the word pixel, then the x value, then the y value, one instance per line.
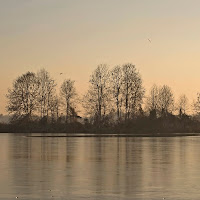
pixel 99 168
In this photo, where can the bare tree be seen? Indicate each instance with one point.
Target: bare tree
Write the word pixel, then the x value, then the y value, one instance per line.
pixel 68 94
pixel 116 85
pixel 196 104
pixel 182 104
pixel 133 90
pixel 166 100
pixel 97 98
pixel 22 98
pixel 152 101
pixel 54 108
pixel 46 92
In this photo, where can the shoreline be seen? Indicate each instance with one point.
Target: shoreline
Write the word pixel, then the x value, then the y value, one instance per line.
pixel 54 135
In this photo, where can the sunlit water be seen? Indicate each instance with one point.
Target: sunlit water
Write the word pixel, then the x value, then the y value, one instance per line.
pixel 99 168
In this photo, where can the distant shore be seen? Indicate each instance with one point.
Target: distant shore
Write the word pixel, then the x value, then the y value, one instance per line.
pixel 111 135
pixel 166 126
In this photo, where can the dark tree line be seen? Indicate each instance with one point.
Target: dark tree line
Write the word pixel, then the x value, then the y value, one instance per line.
pixel 115 101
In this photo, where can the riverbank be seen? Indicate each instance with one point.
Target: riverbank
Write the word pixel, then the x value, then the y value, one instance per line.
pixel 113 135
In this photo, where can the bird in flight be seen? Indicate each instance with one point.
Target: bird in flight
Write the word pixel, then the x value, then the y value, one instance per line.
pixel 149 40
pixel 61 73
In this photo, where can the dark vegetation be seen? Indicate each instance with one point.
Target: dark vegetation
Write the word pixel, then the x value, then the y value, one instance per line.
pixel 142 125
pixel 114 103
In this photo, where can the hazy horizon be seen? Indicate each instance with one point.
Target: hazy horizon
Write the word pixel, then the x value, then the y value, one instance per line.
pixel 74 37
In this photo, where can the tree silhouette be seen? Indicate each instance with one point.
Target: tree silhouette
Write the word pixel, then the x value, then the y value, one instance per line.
pixel 68 95
pixel 96 101
pixel 22 98
pixel 116 89
pixel 46 92
pixel 166 100
pixel 152 101
pixel 182 104
pixel 133 90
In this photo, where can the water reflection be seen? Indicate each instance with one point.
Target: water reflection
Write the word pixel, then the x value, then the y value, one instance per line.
pixel 99 168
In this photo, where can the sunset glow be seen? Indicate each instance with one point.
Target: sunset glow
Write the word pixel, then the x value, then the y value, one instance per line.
pixel 73 37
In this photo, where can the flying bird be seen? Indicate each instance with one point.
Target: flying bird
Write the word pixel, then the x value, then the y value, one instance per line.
pixel 61 73
pixel 149 40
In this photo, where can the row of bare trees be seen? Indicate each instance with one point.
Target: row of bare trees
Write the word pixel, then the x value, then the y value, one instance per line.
pixel 118 92
pixel 160 101
pixel 113 95
pixel 35 95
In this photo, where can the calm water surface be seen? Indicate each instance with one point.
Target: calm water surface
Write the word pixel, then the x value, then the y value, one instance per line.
pixel 99 168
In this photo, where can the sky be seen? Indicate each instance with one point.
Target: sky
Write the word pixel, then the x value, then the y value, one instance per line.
pixel 73 37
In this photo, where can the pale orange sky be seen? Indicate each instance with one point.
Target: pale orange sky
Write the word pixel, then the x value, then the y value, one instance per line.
pixel 73 37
